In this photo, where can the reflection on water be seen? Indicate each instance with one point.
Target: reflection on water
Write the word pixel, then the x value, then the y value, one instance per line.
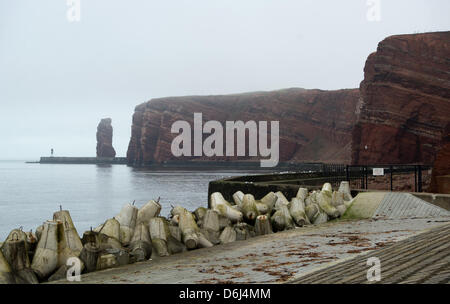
pixel 30 193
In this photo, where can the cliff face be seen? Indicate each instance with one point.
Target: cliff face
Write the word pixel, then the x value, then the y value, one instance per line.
pixel 315 125
pixel 441 166
pixel 104 139
pixel 405 100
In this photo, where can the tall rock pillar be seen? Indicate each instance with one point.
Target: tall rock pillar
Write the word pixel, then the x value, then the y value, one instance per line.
pixel 104 139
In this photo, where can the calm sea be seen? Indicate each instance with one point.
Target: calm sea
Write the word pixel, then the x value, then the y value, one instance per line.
pixel 30 193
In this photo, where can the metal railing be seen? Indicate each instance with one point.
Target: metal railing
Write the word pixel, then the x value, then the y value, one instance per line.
pixel 363 174
pixel 360 177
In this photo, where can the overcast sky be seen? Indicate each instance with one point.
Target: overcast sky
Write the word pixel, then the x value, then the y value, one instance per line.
pixel 59 78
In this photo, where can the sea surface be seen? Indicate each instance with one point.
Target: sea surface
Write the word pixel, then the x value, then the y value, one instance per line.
pixel 30 193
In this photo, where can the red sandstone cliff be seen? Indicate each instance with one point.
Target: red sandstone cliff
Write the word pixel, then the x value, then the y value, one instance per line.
pixel 441 166
pixel 104 139
pixel 405 100
pixel 315 125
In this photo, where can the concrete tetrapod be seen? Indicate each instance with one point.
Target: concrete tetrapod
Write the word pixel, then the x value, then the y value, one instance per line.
pixel 90 236
pixel 238 197
pixel 262 208
pixel 191 234
pixel 175 231
pixel 297 211
pixel 219 204
pixel 210 227
pixel 302 194
pixel 16 255
pixel 158 228
pixel 106 261
pixel 344 187
pixel 28 237
pixel 164 243
pixel 321 218
pixel 18 235
pixel 249 208
pixel 337 198
pixel 311 199
pixel 149 210
pixel 127 219
pixel 45 260
pixel 281 219
pixel 236 207
pixel 175 219
pixel 224 222
pixel 269 200
pixel 281 200
pixel 324 201
pixel 111 228
pixel 159 248
pixel 200 213
pixel 189 230
pixel 244 231
pixel 90 255
pixel 38 232
pixel 312 212
pixel 141 243
pixel 69 243
pixel 108 242
pixel 31 243
pixel 327 188
pixel 122 256
pixel 211 221
pixel 262 225
pixel 342 209
pixel 315 214
pixel 228 235
pixel 176 210
pixel 159 234
pixel 6 275
pixel 203 241
pixel 211 236
pixel 175 246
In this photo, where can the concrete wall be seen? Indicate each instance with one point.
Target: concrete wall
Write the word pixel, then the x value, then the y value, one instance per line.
pixel 83 160
pixel 260 185
pixel 443 184
pixel 441 200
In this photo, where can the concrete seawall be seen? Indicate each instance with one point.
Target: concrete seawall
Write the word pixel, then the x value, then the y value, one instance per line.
pixel 84 160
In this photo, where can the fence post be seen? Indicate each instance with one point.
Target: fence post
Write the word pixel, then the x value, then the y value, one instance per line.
pixel 363 177
pixel 347 175
pixel 391 168
pixel 367 178
pixel 419 182
pixel 415 178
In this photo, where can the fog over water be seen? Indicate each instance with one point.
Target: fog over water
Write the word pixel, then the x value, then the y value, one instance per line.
pixel 59 78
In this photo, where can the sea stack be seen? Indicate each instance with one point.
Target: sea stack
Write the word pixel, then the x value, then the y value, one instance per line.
pixel 104 139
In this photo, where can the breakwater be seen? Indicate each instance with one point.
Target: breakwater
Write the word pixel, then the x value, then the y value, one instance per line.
pixel 84 160
pixel 226 166
pixel 138 234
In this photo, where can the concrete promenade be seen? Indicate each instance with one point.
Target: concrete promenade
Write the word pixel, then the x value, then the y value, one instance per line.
pixel 290 256
pixel 422 259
